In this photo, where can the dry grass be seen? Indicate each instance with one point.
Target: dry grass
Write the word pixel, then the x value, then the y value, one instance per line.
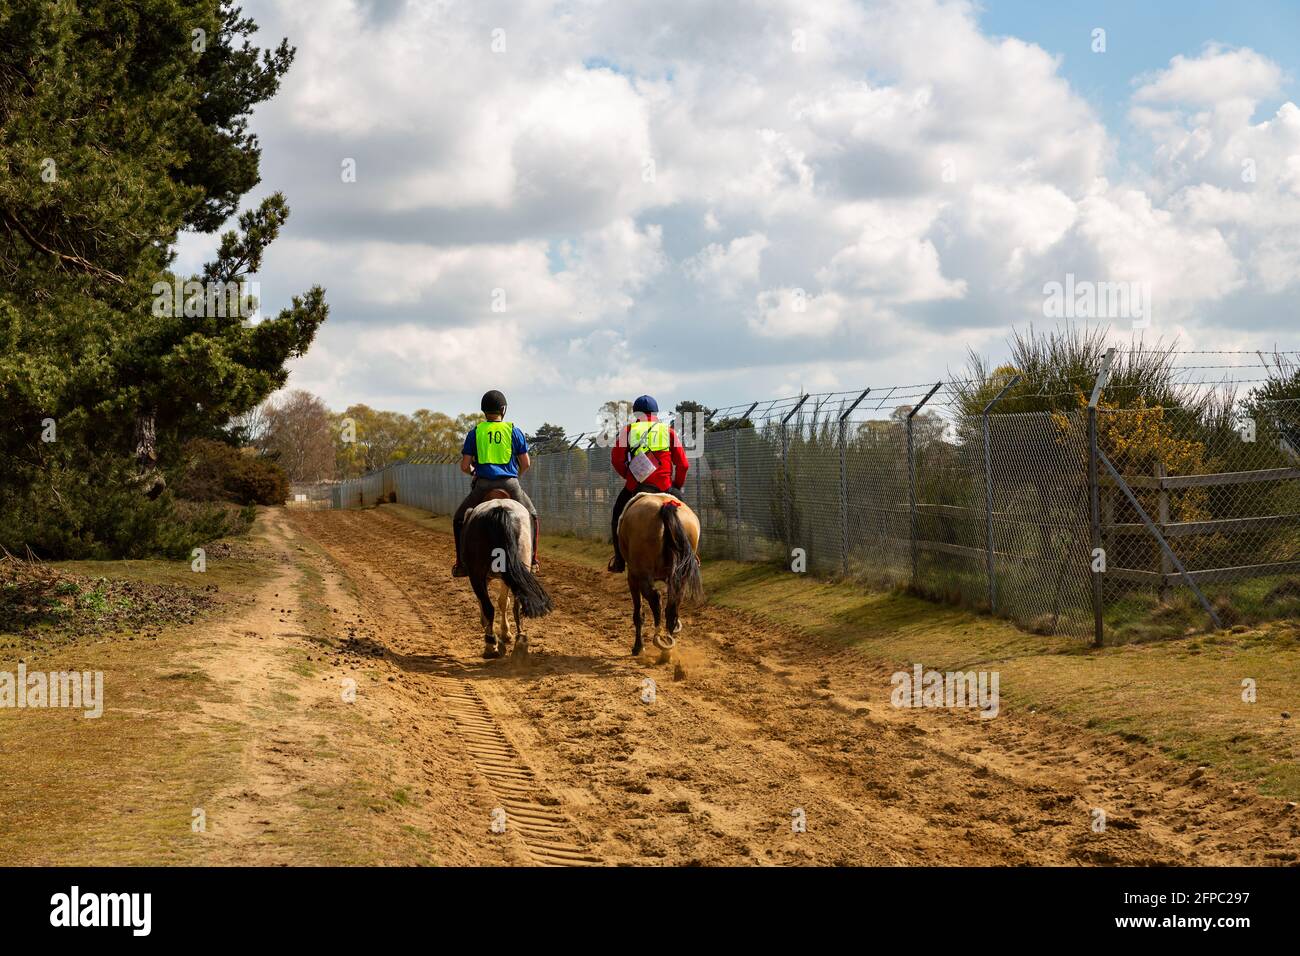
pixel 120 789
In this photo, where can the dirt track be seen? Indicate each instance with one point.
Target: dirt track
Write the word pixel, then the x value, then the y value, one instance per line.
pixel 763 722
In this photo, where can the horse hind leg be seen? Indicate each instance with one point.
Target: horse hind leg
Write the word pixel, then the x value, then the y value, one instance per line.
pixel 652 598
pixel 635 590
pixel 504 600
pixel 673 619
pixel 486 615
pixel 508 607
pixel 521 639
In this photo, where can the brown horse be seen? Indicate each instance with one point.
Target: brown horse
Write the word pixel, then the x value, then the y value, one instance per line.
pixel 660 538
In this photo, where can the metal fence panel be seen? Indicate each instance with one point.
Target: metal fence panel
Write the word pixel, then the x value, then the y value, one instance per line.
pixel 1222 491
pixel 1041 536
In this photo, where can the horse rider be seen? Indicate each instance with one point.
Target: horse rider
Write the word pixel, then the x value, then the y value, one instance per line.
pixel 650 457
pixel 495 454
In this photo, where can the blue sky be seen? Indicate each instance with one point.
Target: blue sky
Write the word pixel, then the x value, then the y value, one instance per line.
pixel 1142 35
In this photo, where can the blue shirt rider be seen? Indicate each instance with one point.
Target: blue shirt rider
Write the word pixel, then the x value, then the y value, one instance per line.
pixel 495 453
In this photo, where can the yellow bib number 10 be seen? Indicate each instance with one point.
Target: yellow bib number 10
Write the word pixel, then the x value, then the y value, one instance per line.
pixel 495 441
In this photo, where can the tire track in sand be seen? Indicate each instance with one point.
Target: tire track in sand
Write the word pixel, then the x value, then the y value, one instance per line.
pixel 531 809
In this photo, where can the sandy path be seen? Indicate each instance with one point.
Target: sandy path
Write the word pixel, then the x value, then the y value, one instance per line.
pixel 764 723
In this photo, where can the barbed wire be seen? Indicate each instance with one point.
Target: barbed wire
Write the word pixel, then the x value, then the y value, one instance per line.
pixel 952 393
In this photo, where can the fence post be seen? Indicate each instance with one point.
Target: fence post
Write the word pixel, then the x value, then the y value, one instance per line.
pixel 735 454
pixel 785 475
pixel 1094 489
pixel 844 502
pixel 699 492
pixel 1162 516
pixel 591 495
pixel 988 494
pixel 844 482
pixel 911 476
pixel 911 497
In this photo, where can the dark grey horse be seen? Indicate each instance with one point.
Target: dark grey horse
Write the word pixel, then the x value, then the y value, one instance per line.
pixel 497 545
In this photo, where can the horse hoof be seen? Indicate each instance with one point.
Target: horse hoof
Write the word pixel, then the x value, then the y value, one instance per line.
pixel 491 651
pixel 521 649
pixel 636 649
pixel 665 642
pixel 677 627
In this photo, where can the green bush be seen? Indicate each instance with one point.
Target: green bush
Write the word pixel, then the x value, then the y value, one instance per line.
pixel 100 513
pixel 215 471
pixel 257 481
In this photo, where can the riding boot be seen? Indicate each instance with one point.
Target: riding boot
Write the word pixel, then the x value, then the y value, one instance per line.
pixel 457 570
pixel 616 565
pixel 536 527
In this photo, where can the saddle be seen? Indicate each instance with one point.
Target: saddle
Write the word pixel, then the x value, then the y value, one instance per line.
pixel 673 502
pixel 496 494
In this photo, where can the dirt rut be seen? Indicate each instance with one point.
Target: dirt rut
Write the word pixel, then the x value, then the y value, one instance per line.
pixel 772 747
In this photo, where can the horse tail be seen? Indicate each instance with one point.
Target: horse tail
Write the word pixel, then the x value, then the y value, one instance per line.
pixel 684 582
pixel 528 591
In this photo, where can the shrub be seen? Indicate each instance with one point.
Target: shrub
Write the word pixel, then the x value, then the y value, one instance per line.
pixel 1283 382
pixel 215 471
pixel 1058 366
pixel 100 513
pixel 258 481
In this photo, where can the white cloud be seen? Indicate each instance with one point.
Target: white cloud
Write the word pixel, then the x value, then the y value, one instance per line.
pixel 1231 187
pixel 892 265
pixel 789 313
pixel 726 269
pixel 1136 242
pixel 916 178
pixel 1218 75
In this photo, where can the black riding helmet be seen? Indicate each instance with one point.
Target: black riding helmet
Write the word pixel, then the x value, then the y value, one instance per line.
pixel 493 403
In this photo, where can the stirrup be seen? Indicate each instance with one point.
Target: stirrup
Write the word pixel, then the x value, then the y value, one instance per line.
pixel 458 572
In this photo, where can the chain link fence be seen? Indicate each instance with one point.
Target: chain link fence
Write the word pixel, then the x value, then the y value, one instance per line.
pixel 1208 510
pixel 990 511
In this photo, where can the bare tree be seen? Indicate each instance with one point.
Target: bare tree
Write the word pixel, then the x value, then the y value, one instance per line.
pixel 299 435
pixel 250 427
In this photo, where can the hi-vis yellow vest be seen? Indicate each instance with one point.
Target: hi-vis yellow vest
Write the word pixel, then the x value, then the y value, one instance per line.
pixel 494 442
pixel 646 436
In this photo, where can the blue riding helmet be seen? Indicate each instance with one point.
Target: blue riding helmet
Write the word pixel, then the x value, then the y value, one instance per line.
pixel 646 405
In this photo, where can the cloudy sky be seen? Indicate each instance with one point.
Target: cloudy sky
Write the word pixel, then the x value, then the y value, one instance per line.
pixel 727 200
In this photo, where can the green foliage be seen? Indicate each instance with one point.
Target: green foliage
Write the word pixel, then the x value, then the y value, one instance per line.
pixel 686 406
pixel 100 514
pixel 215 471
pixel 1058 366
pixel 548 438
pixel 117 130
pixel 377 438
pixel 257 481
pixel 1283 382
pixel 729 424
pixel 231 78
